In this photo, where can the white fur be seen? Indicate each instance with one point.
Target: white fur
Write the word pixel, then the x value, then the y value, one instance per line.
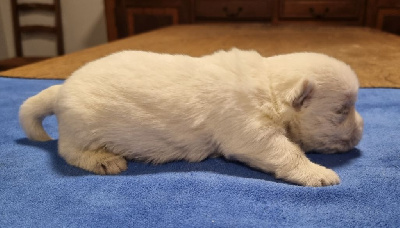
pixel 152 107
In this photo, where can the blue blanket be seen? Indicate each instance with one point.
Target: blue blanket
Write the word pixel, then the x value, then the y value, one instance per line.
pixel 38 189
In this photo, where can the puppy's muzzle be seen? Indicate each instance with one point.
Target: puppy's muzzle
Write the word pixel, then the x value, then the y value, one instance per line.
pixel 356 134
pixel 344 143
pixel 358 130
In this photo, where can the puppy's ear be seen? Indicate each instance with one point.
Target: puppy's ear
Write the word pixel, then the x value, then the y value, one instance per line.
pixel 302 93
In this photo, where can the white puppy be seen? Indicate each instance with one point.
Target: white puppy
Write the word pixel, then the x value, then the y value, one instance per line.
pixel 265 112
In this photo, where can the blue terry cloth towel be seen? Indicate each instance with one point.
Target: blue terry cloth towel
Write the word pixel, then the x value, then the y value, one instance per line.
pixel 38 189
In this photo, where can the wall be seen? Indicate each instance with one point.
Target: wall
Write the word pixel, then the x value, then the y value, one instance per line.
pixel 84 26
pixel 6 45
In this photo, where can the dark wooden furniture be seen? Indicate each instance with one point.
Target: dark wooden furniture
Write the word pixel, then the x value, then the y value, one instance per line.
pixel 339 12
pixel 371 53
pixel 384 15
pixel 236 10
pixel 18 9
pixel 127 17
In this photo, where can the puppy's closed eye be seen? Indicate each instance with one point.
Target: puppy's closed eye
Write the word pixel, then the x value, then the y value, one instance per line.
pixel 346 106
pixel 343 110
pixel 340 114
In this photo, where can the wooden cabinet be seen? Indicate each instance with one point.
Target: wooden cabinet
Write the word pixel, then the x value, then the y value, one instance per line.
pixel 384 15
pixel 333 11
pixel 233 10
pixel 128 17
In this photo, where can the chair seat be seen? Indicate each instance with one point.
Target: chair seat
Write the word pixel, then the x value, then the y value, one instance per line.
pixel 18 61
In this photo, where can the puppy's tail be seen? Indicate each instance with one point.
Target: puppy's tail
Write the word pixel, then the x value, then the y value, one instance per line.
pixel 33 111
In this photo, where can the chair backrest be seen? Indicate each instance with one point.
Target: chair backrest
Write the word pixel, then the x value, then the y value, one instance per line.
pixel 56 29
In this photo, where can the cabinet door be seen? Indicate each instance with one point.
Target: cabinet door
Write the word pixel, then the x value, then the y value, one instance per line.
pixel 233 10
pixel 331 11
pixel 320 9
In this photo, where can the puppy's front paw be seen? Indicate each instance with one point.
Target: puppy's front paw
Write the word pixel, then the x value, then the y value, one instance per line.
pixel 310 174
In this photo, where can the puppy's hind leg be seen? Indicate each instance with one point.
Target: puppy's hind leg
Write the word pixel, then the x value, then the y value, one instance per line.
pixel 98 161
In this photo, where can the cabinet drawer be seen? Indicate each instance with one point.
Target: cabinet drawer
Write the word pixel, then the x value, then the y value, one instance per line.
pixel 236 9
pixel 321 9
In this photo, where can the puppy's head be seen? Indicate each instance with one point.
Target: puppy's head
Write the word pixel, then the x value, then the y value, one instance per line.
pixel 322 101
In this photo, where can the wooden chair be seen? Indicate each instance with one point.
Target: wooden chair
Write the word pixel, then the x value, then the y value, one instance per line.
pixel 56 30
